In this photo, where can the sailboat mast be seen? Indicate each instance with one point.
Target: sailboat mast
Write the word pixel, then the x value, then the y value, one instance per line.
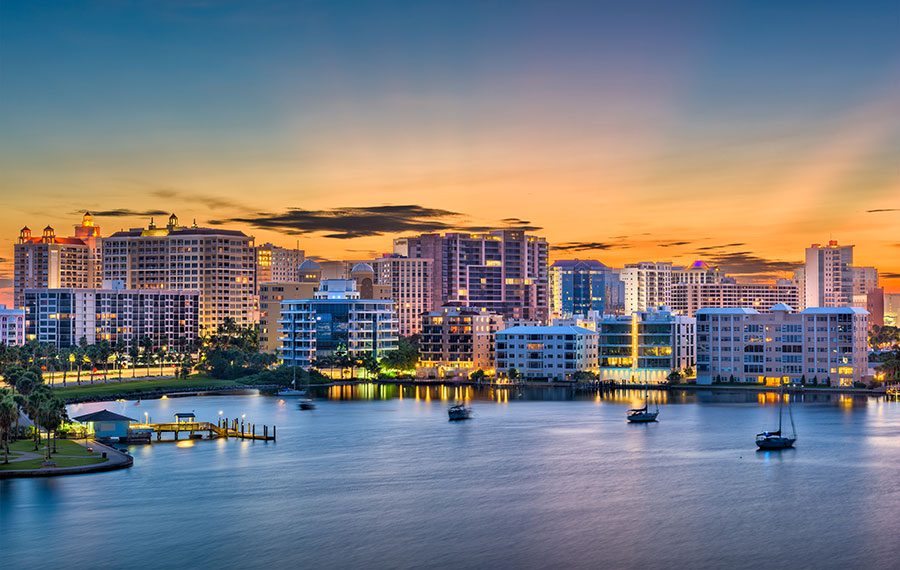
pixel 780 406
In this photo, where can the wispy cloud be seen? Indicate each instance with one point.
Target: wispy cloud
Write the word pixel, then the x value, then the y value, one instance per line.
pixel 673 243
pixel 745 263
pixel 722 246
pixel 890 275
pixel 883 210
pixel 125 212
pixel 588 246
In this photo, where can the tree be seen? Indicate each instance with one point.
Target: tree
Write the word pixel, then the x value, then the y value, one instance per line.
pixel 52 413
pixel 405 357
pixel 370 364
pixel 513 374
pixel 584 376
pixel 78 353
pixel 134 353
pixel 64 355
pixel 147 348
pixel 478 375
pixel 9 413
pixel 674 377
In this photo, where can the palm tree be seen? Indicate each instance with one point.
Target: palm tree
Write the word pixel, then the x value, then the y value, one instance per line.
pixel 78 353
pixel 119 350
pixel 147 346
pixel 63 357
pixel 161 359
pixel 9 413
pixel 134 353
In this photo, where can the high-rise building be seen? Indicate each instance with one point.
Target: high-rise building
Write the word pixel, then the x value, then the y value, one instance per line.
pixel 271 295
pixel 828 275
pixel 62 316
pixel 50 261
pixel 864 279
pixel 552 353
pixel 336 319
pixel 687 298
pixel 578 286
pixel 502 271
pixel 457 341
pixel 12 326
pixel 647 285
pixel 275 263
pixel 409 283
pixel 699 272
pixel 892 309
pixel 819 345
pixel 217 263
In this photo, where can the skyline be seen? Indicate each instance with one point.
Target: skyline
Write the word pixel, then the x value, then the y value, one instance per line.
pixel 735 134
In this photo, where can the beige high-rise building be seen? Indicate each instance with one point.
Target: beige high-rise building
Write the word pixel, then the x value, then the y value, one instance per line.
pixel 217 263
pixel 270 297
pixel 457 341
pixel 688 298
pixel 275 263
pixel 409 286
pixel 828 275
pixel 50 261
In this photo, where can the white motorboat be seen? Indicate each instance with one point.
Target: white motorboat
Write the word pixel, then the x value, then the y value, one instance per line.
pixel 459 412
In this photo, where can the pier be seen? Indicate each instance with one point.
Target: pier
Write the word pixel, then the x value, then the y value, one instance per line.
pixel 184 425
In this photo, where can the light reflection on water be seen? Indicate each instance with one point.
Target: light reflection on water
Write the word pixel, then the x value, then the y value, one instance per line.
pixel 376 477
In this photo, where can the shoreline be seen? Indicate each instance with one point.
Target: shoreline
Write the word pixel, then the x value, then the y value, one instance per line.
pixel 243 388
pixel 115 460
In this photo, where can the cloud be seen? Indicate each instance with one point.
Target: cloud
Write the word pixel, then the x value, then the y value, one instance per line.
pixel 6 283
pixel 723 246
pixel 587 246
pixel 121 212
pixel 745 262
pixel 890 275
pixel 673 243
pixel 883 210
pixel 351 222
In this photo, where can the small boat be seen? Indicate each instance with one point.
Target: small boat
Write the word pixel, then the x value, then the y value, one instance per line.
pixel 307 404
pixel 459 412
pixel 643 415
pixel 769 440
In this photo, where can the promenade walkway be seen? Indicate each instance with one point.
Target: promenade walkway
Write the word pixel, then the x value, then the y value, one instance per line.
pixel 114 459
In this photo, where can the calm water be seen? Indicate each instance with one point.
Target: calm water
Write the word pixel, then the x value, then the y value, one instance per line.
pixel 537 480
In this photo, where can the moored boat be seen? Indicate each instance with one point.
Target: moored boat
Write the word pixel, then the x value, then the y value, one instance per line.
pixel 771 440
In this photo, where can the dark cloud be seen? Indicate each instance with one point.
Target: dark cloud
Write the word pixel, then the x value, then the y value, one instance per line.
pixel 890 275
pixel 355 222
pixel 723 246
pixel 673 243
pixel 883 210
pixel 6 283
pixel 745 262
pixel 122 212
pixel 587 246
pixel 346 223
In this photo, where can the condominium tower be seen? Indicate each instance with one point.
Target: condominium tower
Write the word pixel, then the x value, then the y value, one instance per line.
pixel 503 271
pixel 217 263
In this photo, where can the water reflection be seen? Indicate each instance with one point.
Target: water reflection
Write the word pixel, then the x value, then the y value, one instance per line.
pixel 449 393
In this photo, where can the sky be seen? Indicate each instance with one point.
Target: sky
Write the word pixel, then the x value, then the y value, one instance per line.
pixel 734 132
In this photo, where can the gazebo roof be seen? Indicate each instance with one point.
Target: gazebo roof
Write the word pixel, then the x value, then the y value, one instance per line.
pixel 103 416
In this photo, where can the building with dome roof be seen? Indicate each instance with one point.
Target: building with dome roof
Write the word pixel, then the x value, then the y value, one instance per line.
pixel 52 261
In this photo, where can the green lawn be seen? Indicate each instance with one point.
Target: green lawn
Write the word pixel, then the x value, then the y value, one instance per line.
pixel 113 388
pixel 60 462
pixel 63 447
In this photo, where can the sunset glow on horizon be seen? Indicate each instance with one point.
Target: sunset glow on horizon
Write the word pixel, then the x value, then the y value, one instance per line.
pixel 737 134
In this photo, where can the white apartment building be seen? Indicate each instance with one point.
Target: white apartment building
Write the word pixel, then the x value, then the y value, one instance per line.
pixel 552 353
pixel 828 275
pixel 688 298
pixel 819 345
pixel 336 319
pixel 12 326
pixel 409 282
pixel 62 317
pixel 647 285
pixel 218 264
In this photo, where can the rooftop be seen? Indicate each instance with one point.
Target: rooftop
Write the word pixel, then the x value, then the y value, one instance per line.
pixel 103 416
pixel 552 329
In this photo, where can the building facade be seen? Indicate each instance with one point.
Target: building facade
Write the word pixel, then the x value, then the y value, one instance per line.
pixel 409 281
pixel 218 264
pixel 279 264
pixel 50 261
pixel 62 317
pixel 457 341
pixel 688 298
pixel 647 285
pixel 646 346
pixel 578 286
pixel 819 345
pixel 12 326
pixel 271 296
pixel 336 319
pixel 552 353
pixel 828 275
pixel 502 271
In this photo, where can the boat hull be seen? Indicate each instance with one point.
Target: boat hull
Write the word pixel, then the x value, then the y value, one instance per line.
pixel 307 406
pixel 643 417
pixel 771 443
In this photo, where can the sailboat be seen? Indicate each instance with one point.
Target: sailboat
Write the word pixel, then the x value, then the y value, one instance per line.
pixel 643 415
pixel 774 439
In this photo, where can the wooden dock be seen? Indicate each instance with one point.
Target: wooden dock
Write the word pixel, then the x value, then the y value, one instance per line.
pixel 235 428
